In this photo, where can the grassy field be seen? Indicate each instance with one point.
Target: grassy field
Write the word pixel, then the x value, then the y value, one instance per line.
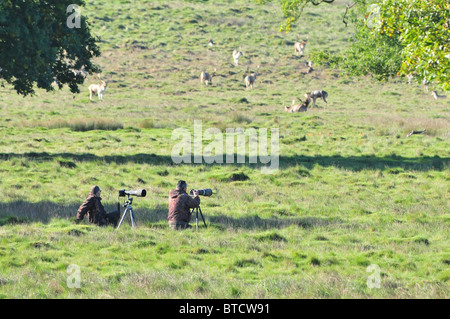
pixel 351 190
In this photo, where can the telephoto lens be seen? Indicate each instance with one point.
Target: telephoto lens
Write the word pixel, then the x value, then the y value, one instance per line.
pixel 138 193
pixel 203 192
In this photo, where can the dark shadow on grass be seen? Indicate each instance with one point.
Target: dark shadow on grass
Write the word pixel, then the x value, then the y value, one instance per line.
pixel 26 212
pixel 255 222
pixel 354 163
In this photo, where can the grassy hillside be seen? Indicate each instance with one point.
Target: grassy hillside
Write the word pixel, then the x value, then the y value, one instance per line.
pixel 351 191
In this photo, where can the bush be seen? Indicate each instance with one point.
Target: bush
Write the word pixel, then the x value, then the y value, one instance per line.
pixel 372 54
pixel 238 177
pixel 147 123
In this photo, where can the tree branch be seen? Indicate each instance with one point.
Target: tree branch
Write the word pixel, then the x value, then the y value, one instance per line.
pixel 320 1
pixel 346 11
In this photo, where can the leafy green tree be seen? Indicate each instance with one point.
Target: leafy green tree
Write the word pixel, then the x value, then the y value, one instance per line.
pixel 423 29
pixel 44 40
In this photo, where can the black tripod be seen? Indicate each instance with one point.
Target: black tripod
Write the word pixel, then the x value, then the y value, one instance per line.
pixel 128 209
pixel 198 210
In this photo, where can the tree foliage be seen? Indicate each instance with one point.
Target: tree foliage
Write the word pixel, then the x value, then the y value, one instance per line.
pixel 423 29
pixel 37 45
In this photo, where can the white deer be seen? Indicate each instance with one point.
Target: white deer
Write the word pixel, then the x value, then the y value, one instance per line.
pixel 236 55
pixel 410 78
pixel 99 89
pixel 425 84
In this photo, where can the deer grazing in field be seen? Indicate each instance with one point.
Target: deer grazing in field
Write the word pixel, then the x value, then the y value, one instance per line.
pixel 206 78
pixel 317 94
pixel 437 96
pixel 81 71
pixel 250 79
pixel 97 88
pixel 302 107
pixel 299 47
pixel 55 82
pixel 410 78
pixel 309 67
pixel 236 55
pixel 425 84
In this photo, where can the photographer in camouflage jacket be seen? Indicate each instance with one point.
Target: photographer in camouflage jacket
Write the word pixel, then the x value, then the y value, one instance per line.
pixel 95 211
pixel 180 204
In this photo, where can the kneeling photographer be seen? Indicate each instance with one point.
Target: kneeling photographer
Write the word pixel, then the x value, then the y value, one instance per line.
pixel 95 211
pixel 180 204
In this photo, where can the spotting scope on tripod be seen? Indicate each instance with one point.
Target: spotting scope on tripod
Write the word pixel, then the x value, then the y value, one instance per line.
pixel 128 204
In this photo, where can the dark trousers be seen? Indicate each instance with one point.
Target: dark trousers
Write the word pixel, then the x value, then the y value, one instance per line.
pixel 113 218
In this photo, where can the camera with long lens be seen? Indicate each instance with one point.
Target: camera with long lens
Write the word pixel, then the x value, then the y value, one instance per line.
pixel 202 192
pixel 137 193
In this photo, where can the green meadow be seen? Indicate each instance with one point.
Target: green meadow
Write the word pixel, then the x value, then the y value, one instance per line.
pixel 351 191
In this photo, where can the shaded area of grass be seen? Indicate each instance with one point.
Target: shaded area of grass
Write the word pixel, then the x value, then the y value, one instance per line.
pixel 354 163
pixel 18 212
pixel 26 212
pixel 255 222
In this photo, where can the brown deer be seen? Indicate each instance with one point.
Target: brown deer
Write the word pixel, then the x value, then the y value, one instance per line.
pixel 250 79
pixel 206 77
pixel 302 107
pixel 299 47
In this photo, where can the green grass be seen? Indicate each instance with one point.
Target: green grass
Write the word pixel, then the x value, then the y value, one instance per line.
pixel 351 190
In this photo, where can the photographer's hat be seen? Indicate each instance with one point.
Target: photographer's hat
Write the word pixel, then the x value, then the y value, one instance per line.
pixel 94 190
